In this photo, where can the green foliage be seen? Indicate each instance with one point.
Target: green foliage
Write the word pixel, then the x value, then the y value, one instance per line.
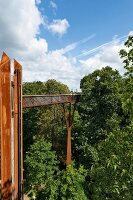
pixel 30 126
pixel 72 185
pixel 106 112
pixel 50 87
pixel 100 103
pixel 83 152
pixel 44 181
pixel 41 164
pixel 68 185
pixel 102 138
pixel 34 88
pixel 113 174
pixel 127 55
pixel 45 121
pixel 54 87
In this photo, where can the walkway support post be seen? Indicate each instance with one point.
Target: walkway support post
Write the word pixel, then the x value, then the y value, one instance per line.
pixel 69 117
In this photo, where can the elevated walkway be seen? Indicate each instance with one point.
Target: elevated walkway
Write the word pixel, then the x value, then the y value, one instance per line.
pixel 44 100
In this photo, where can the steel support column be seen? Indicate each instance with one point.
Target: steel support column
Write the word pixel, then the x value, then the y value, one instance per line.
pixel 69 116
pixel 5 128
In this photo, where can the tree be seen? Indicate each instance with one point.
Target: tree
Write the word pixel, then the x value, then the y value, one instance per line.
pixel 102 139
pixel 31 116
pixel 112 176
pixel 127 56
pixel 47 121
pixel 51 122
pixel 55 87
pixel 41 164
pixel 100 104
pixel 72 184
pixel 30 88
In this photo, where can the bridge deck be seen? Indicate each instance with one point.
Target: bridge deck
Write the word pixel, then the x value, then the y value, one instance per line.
pixel 43 100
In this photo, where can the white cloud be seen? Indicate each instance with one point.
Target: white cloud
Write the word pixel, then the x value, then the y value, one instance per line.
pixel 96 49
pixel 53 5
pixel 107 55
pixel 130 33
pixel 58 26
pixel 20 23
pixel 56 65
pixel 74 45
pixel 18 39
pixel 52 65
pixel 38 2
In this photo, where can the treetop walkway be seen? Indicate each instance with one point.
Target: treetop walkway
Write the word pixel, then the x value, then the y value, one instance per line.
pixel 12 102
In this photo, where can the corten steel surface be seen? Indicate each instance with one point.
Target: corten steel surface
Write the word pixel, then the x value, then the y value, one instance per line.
pixel 18 137
pixel 43 100
pixel 0 131
pixel 5 128
pixel 69 116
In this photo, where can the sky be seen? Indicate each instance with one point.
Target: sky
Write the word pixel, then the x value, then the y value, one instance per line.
pixel 65 39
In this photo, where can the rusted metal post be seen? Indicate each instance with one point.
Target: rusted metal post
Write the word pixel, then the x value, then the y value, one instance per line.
pixel 0 130
pixel 18 134
pixel 69 116
pixel 69 146
pixel 5 128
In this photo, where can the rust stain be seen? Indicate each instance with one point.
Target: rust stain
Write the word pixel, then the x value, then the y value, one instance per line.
pixel 4 116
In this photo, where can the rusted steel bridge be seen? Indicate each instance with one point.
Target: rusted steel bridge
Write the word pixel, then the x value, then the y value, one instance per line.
pixel 44 100
pixel 12 102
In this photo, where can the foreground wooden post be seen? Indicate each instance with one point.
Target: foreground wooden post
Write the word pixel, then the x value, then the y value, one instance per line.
pixel 5 128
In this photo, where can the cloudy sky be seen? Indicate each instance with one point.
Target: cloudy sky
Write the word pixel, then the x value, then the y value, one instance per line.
pixel 64 39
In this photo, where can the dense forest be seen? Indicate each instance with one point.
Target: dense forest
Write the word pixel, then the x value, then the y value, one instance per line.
pixel 102 138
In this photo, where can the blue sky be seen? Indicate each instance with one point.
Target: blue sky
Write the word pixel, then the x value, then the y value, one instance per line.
pixel 103 18
pixel 65 39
